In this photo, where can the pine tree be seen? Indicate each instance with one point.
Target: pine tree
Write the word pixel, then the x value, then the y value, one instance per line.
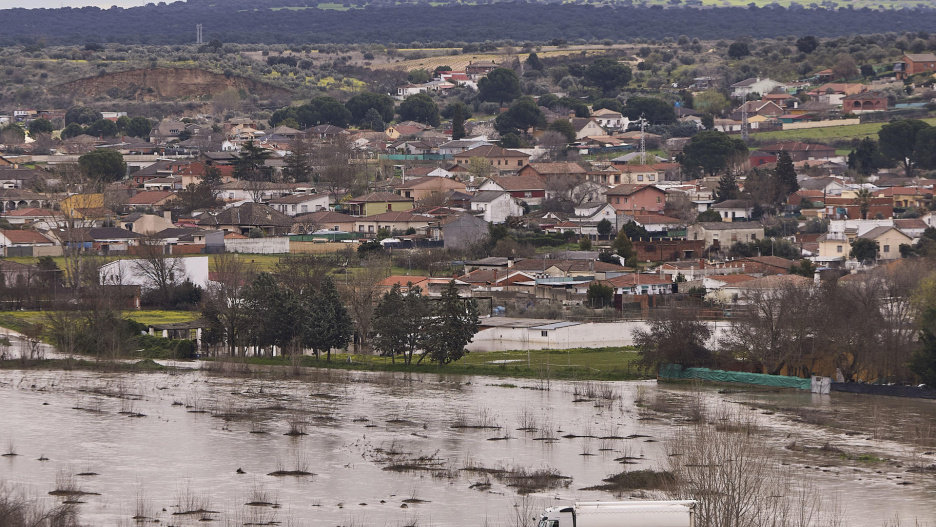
pixel 328 324
pixel 534 62
pixel 453 325
pixel 374 120
pixel 727 188
pixel 458 123
pixel 786 175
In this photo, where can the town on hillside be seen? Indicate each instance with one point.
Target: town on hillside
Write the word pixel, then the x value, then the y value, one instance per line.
pixel 548 207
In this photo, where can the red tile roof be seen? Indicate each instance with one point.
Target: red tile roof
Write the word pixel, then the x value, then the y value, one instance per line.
pixel 24 236
pixel 149 197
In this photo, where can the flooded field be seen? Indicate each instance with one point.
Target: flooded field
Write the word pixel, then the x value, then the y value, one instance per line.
pixel 349 448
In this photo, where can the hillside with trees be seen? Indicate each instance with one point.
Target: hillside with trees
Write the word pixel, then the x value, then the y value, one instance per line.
pixel 267 22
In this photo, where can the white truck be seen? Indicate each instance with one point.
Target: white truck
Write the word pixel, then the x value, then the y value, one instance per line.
pixel 621 514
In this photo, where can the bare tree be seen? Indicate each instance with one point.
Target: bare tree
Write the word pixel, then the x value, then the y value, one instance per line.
pixel 72 225
pixel 255 187
pixel 572 190
pixel 225 306
pixel 679 206
pixel 777 329
pixel 479 167
pixel 554 142
pixel 737 476
pixel 225 101
pixel 335 168
pixel 302 273
pixel 160 270
pixel 362 291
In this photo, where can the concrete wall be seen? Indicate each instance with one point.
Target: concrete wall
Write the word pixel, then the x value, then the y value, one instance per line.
pixel 55 250
pixel 820 124
pixel 127 272
pixel 277 245
pixel 590 335
pixel 320 248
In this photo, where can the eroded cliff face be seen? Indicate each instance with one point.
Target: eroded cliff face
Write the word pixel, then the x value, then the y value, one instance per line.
pixel 155 84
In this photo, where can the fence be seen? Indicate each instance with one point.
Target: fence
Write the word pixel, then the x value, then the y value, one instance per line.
pixel 54 250
pixel 676 371
pixel 320 248
pixel 821 124
pixel 882 117
pixel 416 157
pixel 879 389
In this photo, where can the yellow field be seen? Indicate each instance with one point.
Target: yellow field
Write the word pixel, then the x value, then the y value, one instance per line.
pixel 459 62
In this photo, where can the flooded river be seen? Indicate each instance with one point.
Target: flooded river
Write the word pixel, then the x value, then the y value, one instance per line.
pixel 393 449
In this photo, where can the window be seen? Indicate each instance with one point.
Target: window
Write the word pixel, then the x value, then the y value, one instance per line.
pixel 544 333
pixel 639 178
pixel 360 228
pixel 336 228
pixel 887 248
pixel 838 248
pixel 651 178
pixel 527 194
pixel 617 201
pixel 370 228
pixel 658 199
pixel 305 208
pixel 519 162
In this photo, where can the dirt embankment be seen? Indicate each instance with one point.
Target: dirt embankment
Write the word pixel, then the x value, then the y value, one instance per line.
pixel 155 84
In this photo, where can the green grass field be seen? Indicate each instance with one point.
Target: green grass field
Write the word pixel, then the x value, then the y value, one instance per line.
pixel 610 364
pixel 831 133
pixel 16 320
pixel 264 262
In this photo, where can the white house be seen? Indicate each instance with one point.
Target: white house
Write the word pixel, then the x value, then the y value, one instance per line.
pixel 587 127
pixel 610 120
pixel 756 85
pixel 294 204
pixel 133 272
pixel 734 209
pixel 410 89
pixel 495 205
pixel 462 145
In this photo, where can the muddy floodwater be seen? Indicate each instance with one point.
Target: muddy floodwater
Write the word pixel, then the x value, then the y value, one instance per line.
pixel 394 449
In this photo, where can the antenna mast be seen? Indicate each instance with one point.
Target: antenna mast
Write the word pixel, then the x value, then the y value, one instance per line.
pixel 643 143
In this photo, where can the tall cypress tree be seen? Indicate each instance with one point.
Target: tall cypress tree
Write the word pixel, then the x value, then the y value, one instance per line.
pixel 786 175
pixel 458 123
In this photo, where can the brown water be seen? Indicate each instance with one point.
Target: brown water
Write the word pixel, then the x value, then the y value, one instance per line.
pixel 145 435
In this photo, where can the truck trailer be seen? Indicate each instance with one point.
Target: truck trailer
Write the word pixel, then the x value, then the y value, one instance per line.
pixel 621 514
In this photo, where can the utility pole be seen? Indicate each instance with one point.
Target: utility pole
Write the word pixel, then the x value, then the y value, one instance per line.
pixel 198 34
pixel 643 143
pixel 744 121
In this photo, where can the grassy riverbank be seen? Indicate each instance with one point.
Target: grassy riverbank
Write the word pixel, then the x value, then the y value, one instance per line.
pixel 607 364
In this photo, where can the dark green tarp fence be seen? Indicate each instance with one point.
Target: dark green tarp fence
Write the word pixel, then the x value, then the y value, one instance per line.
pixel 676 371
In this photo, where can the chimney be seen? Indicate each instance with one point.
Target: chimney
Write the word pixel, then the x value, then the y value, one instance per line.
pixel 701 263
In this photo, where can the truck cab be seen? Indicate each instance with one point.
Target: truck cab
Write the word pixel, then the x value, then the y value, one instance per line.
pixel 557 517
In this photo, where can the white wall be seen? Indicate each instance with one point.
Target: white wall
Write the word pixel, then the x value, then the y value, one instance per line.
pixel 127 272
pixel 591 335
pixel 277 245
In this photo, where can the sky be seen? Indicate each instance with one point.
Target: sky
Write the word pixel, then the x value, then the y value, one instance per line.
pixel 8 4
